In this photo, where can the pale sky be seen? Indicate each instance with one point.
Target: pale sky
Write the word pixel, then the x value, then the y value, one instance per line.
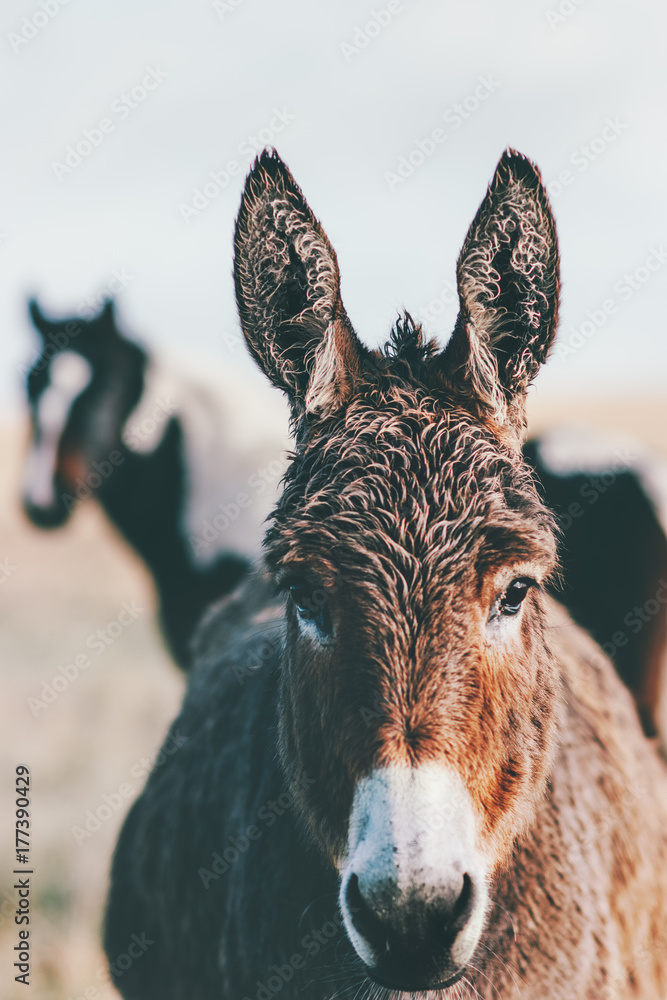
pixel 159 95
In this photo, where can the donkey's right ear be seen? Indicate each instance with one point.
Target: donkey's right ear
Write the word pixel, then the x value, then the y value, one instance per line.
pixel 288 293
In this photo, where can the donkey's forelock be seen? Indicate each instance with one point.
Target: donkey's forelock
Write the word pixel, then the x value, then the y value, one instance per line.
pixel 406 477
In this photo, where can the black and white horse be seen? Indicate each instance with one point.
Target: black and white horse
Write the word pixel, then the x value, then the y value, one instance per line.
pixel 185 470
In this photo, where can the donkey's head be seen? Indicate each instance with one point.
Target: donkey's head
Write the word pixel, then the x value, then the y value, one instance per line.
pixel 417 688
pixel 85 382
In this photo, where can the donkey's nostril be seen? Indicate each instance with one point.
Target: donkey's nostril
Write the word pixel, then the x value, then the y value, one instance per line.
pixel 462 907
pixel 364 918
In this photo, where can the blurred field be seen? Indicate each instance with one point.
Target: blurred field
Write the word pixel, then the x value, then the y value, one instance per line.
pixel 86 743
pixel 93 738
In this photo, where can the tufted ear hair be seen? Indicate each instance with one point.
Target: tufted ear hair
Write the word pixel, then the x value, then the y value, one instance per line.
pixel 288 293
pixel 508 281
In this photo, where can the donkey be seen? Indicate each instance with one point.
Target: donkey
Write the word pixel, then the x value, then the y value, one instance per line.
pixel 185 471
pixel 401 770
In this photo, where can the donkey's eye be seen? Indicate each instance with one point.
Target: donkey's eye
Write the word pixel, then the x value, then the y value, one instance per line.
pixel 512 599
pixel 312 607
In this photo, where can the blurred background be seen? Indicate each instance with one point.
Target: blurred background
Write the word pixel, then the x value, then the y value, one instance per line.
pixel 392 116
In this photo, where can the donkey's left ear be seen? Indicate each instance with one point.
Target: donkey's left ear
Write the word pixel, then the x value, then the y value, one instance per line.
pixel 288 293
pixel 508 280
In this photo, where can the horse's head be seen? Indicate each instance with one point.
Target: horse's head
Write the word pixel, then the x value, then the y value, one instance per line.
pixel 80 390
pixel 417 687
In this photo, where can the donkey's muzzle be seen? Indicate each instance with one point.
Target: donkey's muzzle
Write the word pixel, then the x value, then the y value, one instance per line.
pixel 413 943
pixel 413 890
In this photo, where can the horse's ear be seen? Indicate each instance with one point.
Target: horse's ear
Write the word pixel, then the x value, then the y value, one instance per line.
pixel 288 292
pixel 107 316
pixel 43 325
pixel 508 280
pixel 108 310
